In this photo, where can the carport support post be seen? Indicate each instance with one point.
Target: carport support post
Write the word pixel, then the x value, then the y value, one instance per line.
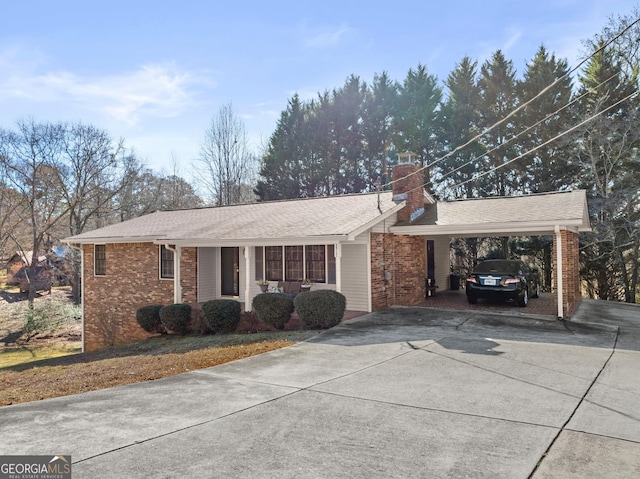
pixel 559 284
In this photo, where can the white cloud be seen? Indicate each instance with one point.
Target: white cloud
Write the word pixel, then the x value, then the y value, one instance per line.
pixel 160 89
pixel 322 37
pixel 512 40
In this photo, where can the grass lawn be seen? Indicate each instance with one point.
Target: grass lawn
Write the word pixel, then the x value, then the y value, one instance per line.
pixel 153 358
pixel 12 356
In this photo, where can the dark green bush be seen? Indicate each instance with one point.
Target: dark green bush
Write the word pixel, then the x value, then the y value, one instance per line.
pixel 273 308
pixel 320 309
pixel 176 317
pixel 222 315
pixel 148 318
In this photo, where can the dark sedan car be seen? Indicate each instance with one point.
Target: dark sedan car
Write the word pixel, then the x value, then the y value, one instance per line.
pixel 503 279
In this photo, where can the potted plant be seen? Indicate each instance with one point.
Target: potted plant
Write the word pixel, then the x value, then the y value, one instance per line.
pixel 264 285
pixel 305 285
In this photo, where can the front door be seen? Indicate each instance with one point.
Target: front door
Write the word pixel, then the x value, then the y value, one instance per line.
pixel 230 262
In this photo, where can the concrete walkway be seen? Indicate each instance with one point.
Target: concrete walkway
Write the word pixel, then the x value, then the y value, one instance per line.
pixel 408 392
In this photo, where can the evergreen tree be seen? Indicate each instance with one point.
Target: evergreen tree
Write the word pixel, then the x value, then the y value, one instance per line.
pixel 380 105
pixel 417 121
pixel 548 167
pixel 497 85
pixel 460 119
pixel 282 167
pixel 347 159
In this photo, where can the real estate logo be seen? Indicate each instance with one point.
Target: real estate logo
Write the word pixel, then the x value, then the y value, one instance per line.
pixel 35 467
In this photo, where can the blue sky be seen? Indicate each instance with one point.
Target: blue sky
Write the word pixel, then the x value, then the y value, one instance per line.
pixel 156 72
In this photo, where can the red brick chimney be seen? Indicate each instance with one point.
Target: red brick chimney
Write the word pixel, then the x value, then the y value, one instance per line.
pixel 409 188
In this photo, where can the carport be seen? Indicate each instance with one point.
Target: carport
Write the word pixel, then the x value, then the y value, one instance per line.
pixel 562 215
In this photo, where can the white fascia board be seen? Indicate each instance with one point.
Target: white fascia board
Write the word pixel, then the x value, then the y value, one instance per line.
pixel 429 198
pixel 114 239
pixel 209 243
pixel 488 229
pixel 586 222
pixel 355 233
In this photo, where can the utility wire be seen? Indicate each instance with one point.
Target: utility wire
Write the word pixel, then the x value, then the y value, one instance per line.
pixel 545 143
pixel 578 98
pixel 524 105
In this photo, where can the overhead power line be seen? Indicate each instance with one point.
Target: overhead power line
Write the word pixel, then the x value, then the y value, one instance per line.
pixel 560 135
pixel 550 115
pixel 519 108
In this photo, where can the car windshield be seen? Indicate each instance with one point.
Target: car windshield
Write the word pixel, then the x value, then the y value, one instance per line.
pixel 509 267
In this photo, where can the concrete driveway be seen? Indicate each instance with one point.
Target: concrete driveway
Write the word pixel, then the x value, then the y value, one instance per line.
pixel 408 392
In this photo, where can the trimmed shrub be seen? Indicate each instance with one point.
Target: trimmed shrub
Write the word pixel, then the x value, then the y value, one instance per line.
pixel 222 315
pixel 320 309
pixel 148 318
pixel 273 309
pixel 175 317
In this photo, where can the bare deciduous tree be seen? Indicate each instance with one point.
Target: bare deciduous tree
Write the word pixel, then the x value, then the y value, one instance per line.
pixel 61 174
pixel 226 167
pixel 30 162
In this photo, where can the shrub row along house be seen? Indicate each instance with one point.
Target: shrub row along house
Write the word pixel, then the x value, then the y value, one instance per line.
pixel 376 249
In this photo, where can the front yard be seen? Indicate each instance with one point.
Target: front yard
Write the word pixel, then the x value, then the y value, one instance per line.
pixel 43 359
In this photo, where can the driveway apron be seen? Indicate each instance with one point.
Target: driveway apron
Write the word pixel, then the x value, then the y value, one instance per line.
pixel 407 392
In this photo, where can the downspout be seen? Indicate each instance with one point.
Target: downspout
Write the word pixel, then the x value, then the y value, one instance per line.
pixel 81 287
pixel 177 289
pixel 559 272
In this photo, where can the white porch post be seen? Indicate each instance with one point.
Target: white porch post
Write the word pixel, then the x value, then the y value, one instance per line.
pixel 247 276
pixel 559 284
pixel 338 254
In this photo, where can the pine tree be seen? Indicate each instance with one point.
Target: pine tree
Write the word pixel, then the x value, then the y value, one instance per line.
pixel 460 120
pixel 497 85
pixel 380 106
pixel 282 167
pixel 547 168
pixel 418 121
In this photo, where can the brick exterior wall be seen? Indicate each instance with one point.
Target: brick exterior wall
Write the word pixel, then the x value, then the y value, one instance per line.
pixel 132 280
pixel 571 295
pixel 189 275
pixel 404 257
pixel 411 185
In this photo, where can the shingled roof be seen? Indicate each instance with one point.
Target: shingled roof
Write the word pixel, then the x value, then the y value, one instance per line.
pixel 311 218
pixel 530 214
pixel 344 217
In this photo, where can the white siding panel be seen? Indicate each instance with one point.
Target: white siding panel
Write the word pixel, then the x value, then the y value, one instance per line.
pixel 207 274
pixel 355 280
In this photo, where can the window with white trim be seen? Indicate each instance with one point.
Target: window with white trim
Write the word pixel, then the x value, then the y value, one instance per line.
pixel 273 263
pixel 295 263
pixel 166 263
pixel 100 259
